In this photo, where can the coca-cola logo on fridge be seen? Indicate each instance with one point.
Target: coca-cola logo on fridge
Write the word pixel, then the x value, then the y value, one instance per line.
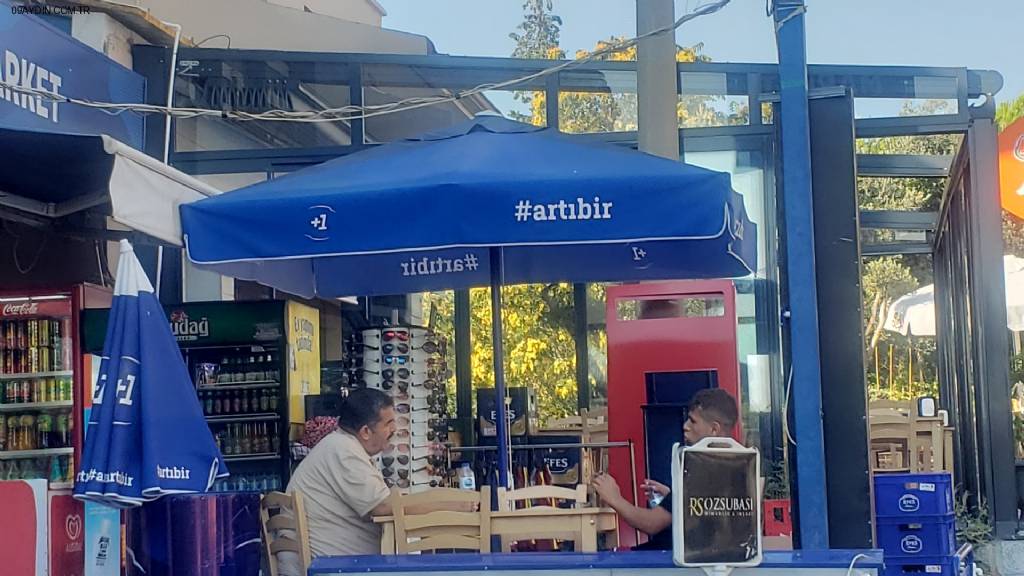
pixel 32 307
pixel 23 309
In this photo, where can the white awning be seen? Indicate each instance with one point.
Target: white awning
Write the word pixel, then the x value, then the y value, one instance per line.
pixel 54 175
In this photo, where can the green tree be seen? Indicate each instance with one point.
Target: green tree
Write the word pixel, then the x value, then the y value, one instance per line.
pixel 536 37
pixel 1007 112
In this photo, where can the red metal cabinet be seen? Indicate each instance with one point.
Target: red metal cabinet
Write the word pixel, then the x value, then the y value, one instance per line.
pixel 665 340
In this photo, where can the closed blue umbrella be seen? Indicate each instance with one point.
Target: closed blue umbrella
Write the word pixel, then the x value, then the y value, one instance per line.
pixel 146 435
pixel 486 202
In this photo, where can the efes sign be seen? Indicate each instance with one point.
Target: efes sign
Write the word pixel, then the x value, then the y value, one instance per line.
pixel 716 503
pixel 40 60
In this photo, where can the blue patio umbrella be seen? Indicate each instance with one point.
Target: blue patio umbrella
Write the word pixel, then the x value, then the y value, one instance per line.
pixel 486 202
pixel 146 435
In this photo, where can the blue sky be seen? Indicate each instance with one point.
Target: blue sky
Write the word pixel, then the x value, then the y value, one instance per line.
pixel 879 32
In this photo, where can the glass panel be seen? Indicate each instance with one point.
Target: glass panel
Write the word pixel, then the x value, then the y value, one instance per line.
pixel 258 87
pixel 704 101
pixel 597 101
pixel 656 308
pixel 406 84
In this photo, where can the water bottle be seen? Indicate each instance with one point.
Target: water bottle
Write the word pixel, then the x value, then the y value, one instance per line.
pixel 467 480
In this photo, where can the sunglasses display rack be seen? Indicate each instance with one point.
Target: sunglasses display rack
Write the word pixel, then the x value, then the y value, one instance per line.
pixel 410 365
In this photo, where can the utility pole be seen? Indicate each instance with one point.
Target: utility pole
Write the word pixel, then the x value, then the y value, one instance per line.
pixel 656 80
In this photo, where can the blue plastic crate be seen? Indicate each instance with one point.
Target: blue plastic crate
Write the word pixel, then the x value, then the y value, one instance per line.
pixel 913 495
pixel 931 566
pixel 923 536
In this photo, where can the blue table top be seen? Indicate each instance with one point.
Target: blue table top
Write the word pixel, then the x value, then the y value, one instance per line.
pixel 573 560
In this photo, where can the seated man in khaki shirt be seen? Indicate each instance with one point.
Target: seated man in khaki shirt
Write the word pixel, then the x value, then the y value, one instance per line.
pixel 342 489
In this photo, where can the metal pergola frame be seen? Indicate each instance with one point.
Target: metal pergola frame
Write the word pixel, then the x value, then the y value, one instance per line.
pixel 759 83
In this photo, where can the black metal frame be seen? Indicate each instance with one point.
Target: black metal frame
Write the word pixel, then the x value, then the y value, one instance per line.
pixel 758 83
pixel 972 334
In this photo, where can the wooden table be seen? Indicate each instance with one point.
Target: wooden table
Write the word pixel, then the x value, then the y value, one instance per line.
pixel 526 521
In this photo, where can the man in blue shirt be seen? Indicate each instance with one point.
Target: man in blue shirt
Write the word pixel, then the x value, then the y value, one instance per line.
pixel 712 413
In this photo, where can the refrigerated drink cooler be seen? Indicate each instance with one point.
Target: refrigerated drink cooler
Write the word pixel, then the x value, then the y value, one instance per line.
pixel 41 383
pixel 251 364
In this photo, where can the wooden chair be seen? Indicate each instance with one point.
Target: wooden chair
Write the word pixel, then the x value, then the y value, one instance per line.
pixel 893 443
pixel 442 530
pixel 284 530
pixel 508 500
pixel 595 430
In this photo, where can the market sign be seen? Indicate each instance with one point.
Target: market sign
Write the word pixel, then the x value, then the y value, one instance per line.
pixel 1011 168
pixel 716 504
pixel 37 56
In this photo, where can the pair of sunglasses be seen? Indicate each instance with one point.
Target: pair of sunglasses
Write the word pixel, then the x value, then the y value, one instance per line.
pixel 401 482
pixel 389 460
pixel 402 448
pixel 395 359
pixel 428 346
pixel 389 373
pixel 403 473
pixel 388 335
pixel 402 385
pixel 405 408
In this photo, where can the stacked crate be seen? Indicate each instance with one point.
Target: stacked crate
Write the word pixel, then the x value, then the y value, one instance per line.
pixel 916 525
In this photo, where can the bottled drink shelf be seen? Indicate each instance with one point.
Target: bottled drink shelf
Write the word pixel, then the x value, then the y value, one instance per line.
pixel 239 386
pixel 261 417
pixel 27 406
pixel 251 457
pixel 31 375
pixel 18 454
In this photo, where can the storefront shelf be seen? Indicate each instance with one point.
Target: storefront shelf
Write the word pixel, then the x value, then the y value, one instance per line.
pixel 31 375
pixel 264 417
pixel 252 457
pixel 240 386
pixel 36 406
pixel 19 454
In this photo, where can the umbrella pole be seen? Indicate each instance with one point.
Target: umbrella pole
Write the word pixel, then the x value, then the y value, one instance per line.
pixel 501 422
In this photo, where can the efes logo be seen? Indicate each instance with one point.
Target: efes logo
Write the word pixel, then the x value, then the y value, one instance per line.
pixel 187 330
pixel 721 507
pixel 557 465
pixel 911 544
pixel 909 503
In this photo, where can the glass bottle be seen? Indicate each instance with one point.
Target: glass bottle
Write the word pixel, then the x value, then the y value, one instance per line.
pixel 265 401
pixel 44 431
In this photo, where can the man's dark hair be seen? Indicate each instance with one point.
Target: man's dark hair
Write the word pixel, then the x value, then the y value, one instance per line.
pixel 362 408
pixel 717 405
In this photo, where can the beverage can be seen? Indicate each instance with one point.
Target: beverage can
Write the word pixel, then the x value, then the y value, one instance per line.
pixel 33 360
pixel 45 362
pixel 37 391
